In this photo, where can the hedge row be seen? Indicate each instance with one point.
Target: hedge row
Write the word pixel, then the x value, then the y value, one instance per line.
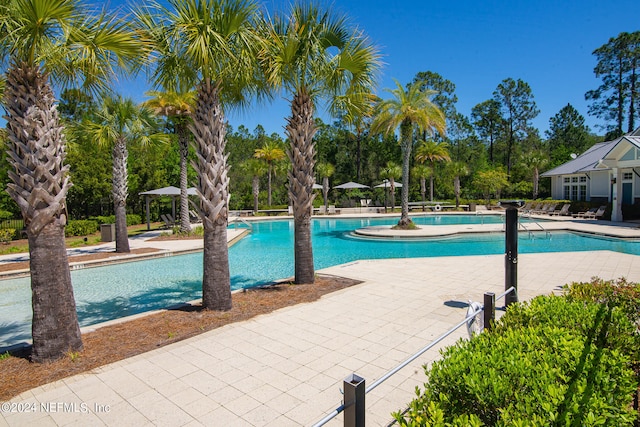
pixel 84 227
pixel 558 360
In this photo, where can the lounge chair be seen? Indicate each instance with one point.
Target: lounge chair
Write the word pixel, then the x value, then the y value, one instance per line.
pixel 543 210
pixel 322 210
pixel 290 210
pixel 526 208
pixel 168 220
pixel 194 217
pixel 597 214
pixel 584 214
pixel 332 210
pixel 562 211
pixel 534 208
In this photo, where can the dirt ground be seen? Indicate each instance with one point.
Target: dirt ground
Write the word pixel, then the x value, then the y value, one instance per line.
pixel 112 343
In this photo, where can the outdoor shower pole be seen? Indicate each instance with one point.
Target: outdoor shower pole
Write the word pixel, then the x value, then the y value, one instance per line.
pixel 511 254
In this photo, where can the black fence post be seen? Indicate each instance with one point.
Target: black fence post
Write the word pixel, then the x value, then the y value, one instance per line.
pixel 354 393
pixel 489 310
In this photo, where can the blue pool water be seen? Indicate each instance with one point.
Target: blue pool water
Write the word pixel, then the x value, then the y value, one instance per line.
pixel 266 254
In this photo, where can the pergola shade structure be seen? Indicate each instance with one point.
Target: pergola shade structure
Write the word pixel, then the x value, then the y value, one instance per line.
pixel 171 191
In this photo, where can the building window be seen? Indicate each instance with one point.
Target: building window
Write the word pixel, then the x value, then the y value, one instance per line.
pixel 583 192
pixel 574 179
pixel 566 180
pixel 574 192
pixel 567 194
pixel 583 179
pixel 627 176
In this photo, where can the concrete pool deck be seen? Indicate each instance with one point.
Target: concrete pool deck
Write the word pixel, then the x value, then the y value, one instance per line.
pixel 285 368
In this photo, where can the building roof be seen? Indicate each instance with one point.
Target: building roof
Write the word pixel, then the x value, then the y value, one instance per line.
pixel 593 158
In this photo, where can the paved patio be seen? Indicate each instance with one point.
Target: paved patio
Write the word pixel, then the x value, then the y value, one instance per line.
pixel 286 368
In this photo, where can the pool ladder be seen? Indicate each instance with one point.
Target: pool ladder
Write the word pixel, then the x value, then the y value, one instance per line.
pixel 236 219
pixel 531 236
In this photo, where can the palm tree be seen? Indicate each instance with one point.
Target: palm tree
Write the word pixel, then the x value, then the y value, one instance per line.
pixel 533 162
pixel 432 152
pixel 119 123
pixel 55 39
pixel 177 107
pixel 216 41
pixel 422 172
pixel 408 110
pixel 271 152
pixel 312 54
pixel 325 170
pixel 457 169
pixel 256 169
pixel 391 172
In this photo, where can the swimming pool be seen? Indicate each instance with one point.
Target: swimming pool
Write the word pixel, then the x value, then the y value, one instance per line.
pixel 266 254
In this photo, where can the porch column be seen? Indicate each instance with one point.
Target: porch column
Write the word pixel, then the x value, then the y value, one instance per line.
pixel 616 193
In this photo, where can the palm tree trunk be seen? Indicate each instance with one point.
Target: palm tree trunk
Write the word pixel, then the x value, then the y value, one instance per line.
pixel 405 135
pixel 423 191
pixel 392 191
pixel 325 193
pixel 456 189
pixel 183 141
pixel 300 129
pixel 536 181
pixel 433 172
pixel 38 183
pixel 55 329
pixel 269 187
pixel 120 192
pixel 431 185
pixel 216 270
pixel 255 184
pixel 209 133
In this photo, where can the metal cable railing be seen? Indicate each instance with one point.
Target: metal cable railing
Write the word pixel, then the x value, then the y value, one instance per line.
pixel 354 385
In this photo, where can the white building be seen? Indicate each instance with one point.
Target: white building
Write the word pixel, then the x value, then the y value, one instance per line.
pixel 608 172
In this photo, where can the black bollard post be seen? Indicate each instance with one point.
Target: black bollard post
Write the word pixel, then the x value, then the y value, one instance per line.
pixel 511 255
pixel 354 401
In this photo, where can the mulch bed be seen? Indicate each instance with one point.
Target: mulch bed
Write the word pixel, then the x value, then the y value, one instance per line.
pixel 112 343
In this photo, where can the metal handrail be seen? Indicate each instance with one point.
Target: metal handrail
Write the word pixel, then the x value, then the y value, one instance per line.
pixel 235 219
pixel 393 371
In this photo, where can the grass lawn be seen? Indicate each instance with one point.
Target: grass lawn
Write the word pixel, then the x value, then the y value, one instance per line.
pixel 22 245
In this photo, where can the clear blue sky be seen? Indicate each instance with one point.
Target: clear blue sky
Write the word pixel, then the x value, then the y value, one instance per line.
pixel 476 44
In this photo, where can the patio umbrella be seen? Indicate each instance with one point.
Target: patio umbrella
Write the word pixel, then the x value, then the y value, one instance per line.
pixel 386 184
pixel 351 185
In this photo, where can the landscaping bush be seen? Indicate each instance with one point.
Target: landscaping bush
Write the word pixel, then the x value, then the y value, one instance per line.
pixel 548 362
pixel 7 235
pixel 132 219
pixel 609 325
pixel 616 293
pixel 80 227
pixel 534 376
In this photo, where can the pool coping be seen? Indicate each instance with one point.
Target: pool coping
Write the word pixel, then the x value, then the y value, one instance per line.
pixel 124 258
pixel 601 228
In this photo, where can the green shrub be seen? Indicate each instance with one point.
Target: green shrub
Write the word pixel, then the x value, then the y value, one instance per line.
pixel 618 293
pixel 585 318
pixel 533 376
pixel 80 227
pixel 7 235
pixel 552 361
pixel 4 215
pixel 132 219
